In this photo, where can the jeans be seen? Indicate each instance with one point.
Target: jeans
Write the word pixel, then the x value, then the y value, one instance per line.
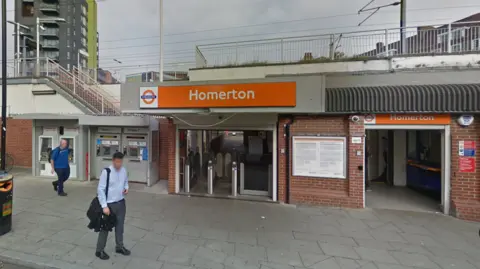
pixel 63 175
pixel 119 209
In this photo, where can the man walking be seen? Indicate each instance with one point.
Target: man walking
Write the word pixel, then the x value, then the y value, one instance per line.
pixel 114 204
pixel 61 166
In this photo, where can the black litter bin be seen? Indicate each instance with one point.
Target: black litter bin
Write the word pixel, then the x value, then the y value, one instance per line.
pixel 6 200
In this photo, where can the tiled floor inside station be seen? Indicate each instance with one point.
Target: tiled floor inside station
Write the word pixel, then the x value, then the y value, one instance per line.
pixel 399 198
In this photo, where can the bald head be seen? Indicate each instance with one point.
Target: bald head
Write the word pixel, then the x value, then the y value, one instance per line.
pixel 63 143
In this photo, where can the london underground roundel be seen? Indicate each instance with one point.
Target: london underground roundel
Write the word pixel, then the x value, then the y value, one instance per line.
pixel 148 97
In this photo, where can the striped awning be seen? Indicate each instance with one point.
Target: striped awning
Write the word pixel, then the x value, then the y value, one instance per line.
pixel 410 98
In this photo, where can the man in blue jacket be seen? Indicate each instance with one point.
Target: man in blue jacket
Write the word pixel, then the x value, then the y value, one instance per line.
pixel 61 166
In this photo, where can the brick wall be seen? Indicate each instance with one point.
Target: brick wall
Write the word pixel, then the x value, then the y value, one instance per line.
pixel 465 187
pixel 323 191
pixel 19 141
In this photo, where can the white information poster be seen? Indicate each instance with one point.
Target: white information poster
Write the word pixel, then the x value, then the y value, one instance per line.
pixel 319 156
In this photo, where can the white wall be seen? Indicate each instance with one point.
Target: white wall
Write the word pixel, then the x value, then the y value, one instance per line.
pixel 113 90
pixel 467 61
pixel 20 100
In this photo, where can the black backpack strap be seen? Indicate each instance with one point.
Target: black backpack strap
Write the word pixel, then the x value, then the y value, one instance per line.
pixel 108 181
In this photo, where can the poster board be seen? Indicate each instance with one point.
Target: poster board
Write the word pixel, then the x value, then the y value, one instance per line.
pixel 322 157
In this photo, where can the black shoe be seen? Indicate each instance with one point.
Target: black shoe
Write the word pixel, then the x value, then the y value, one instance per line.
pixel 102 255
pixel 62 194
pixel 55 185
pixel 123 251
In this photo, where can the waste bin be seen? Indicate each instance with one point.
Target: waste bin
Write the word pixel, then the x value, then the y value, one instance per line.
pixel 6 199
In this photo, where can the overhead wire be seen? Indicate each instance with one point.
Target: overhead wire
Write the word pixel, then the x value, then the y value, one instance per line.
pixel 249 35
pixel 280 22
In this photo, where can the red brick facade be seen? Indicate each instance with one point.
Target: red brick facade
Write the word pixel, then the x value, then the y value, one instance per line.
pixel 321 191
pixel 349 192
pixel 19 141
pixel 465 187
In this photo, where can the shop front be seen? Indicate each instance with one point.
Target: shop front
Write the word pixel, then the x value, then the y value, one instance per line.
pixel 421 138
pixel 226 134
pixel 408 161
pixel 292 140
pixel 92 141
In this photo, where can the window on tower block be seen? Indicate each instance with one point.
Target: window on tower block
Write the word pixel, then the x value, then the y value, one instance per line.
pixel 27 9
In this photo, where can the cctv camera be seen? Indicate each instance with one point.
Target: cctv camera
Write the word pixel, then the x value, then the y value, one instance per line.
pixel 355 118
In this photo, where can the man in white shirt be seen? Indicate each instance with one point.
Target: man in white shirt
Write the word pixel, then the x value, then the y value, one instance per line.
pixel 114 203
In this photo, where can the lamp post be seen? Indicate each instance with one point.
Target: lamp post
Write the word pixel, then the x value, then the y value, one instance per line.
pixel 161 41
pixel 4 86
pixel 39 20
pixel 17 33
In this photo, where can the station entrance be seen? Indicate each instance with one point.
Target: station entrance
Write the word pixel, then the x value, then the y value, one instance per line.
pixel 227 163
pixel 407 167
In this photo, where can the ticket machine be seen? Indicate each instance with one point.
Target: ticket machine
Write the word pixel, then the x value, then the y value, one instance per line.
pixel 135 148
pixel 45 146
pixel 71 134
pixel 107 142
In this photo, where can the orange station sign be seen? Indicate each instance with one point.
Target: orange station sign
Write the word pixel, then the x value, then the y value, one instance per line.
pixel 408 119
pixel 272 94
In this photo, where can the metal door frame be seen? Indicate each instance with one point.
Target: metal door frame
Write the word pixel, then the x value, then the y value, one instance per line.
pixel 270 127
pixel 446 154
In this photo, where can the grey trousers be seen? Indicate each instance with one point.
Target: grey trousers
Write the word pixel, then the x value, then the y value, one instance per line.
pixel 119 209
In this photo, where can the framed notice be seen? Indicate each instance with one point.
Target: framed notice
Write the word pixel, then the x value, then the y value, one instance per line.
pixel 324 157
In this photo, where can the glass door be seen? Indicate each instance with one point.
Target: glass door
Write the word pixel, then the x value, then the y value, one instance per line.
pixel 256 163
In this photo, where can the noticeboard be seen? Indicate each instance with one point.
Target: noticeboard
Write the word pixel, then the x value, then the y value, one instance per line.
pixel 322 157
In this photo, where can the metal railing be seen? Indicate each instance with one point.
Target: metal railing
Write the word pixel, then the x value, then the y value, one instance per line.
pixel 435 39
pixel 91 96
pixel 87 79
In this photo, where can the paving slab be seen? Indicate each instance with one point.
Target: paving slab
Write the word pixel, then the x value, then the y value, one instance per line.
pixel 339 251
pixel 176 232
pixel 375 255
pixel 414 260
pixel 147 250
pixel 80 255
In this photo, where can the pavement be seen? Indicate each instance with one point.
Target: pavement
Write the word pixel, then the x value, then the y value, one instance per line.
pixel 180 232
pixel 11 266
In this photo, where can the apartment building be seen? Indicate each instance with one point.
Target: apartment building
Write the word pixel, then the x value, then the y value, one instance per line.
pixel 92 35
pixel 63 32
pixel 155 76
pixel 464 36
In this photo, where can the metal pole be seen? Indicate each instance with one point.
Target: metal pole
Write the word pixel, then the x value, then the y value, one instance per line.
pixel 386 42
pixel 17 27
pixel 210 178
pixel 186 179
pixel 4 85
pixel 403 24
pixel 161 41
pixel 38 48
pixel 234 179
pixel 24 62
pixel 449 38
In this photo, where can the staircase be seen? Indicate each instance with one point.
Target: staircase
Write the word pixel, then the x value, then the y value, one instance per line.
pixel 82 87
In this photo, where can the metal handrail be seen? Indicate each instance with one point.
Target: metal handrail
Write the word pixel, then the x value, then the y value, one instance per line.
pixel 343 45
pixel 75 86
pixel 92 82
pixel 336 33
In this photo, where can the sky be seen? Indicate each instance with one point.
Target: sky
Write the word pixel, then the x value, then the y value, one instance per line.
pixel 130 32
